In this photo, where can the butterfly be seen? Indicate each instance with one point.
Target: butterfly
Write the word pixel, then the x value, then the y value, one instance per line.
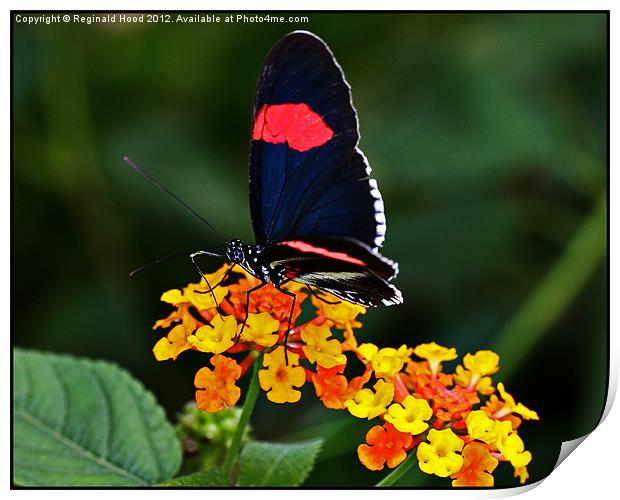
pixel 318 216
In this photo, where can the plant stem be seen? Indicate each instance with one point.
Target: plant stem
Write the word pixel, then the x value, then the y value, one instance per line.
pixel 248 407
pixel 398 472
pixel 583 254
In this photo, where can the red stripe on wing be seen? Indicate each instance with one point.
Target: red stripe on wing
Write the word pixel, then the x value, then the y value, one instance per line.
pixel 304 247
pixel 296 124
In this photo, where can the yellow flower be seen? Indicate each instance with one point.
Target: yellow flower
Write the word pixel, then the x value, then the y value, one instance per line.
pixel 217 337
pixel 369 404
pixel 200 296
pixel 440 457
pixel 387 362
pixel 173 344
pixel 501 434
pixel 477 367
pixel 367 351
pixel 482 363
pixel 326 353
pixel 435 355
pixel 341 312
pixel 465 378
pixel 410 415
pixel 173 297
pixel 181 311
pixel 261 329
pixel 481 427
pixel 511 407
pixel 510 444
pixel 279 379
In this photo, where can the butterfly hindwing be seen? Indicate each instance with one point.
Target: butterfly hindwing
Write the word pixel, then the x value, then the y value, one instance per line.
pixel 359 288
pixel 344 267
pixel 307 176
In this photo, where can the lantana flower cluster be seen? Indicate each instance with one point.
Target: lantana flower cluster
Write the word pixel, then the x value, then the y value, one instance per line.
pixel 459 425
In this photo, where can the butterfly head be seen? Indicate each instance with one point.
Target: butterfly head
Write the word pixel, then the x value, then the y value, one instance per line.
pixel 236 251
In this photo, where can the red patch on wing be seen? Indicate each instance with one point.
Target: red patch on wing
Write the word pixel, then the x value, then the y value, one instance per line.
pixel 296 124
pixel 302 246
pixel 291 273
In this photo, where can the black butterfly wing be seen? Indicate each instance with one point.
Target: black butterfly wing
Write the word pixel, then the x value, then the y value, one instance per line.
pixel 344 267
pixel 359 288
pixel 307 176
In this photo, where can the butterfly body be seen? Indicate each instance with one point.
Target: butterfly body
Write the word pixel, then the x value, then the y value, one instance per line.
pixel 251 259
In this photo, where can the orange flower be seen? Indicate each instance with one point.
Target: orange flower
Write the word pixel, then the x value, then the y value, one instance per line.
pixel 423 410
pixel 477 467
pixel 385 444
pixel 522 474
pixel 181 311
pixel 506 409
pixel 494 405
pixel 450 404
pixel 419 376
pixel 217 387
pixel 333 389
pixel 350 342
pixel 266 299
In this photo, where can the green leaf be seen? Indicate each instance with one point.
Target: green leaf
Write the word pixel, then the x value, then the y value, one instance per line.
pixel 79 422
pixel 211 477
pixel 277 464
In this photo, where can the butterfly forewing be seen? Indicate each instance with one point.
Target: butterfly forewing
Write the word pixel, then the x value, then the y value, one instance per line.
pixel 307 176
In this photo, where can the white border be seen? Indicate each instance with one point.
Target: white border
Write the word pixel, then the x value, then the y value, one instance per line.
pixel 590 471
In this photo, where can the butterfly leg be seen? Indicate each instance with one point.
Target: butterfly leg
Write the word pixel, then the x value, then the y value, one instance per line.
pixel 290 318
pixel 247 309
pixel 193 258
pixel 218 283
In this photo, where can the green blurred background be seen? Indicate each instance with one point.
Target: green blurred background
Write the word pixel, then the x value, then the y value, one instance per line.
pixel 486 132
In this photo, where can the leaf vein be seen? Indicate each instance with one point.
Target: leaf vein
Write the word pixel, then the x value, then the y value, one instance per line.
pixel 107 426
pixel 147 434
pixel 269 472
pixel 42 426
pixel 63 396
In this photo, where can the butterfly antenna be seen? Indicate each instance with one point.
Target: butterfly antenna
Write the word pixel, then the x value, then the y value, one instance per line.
pixel 168 257
pixel 167 191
